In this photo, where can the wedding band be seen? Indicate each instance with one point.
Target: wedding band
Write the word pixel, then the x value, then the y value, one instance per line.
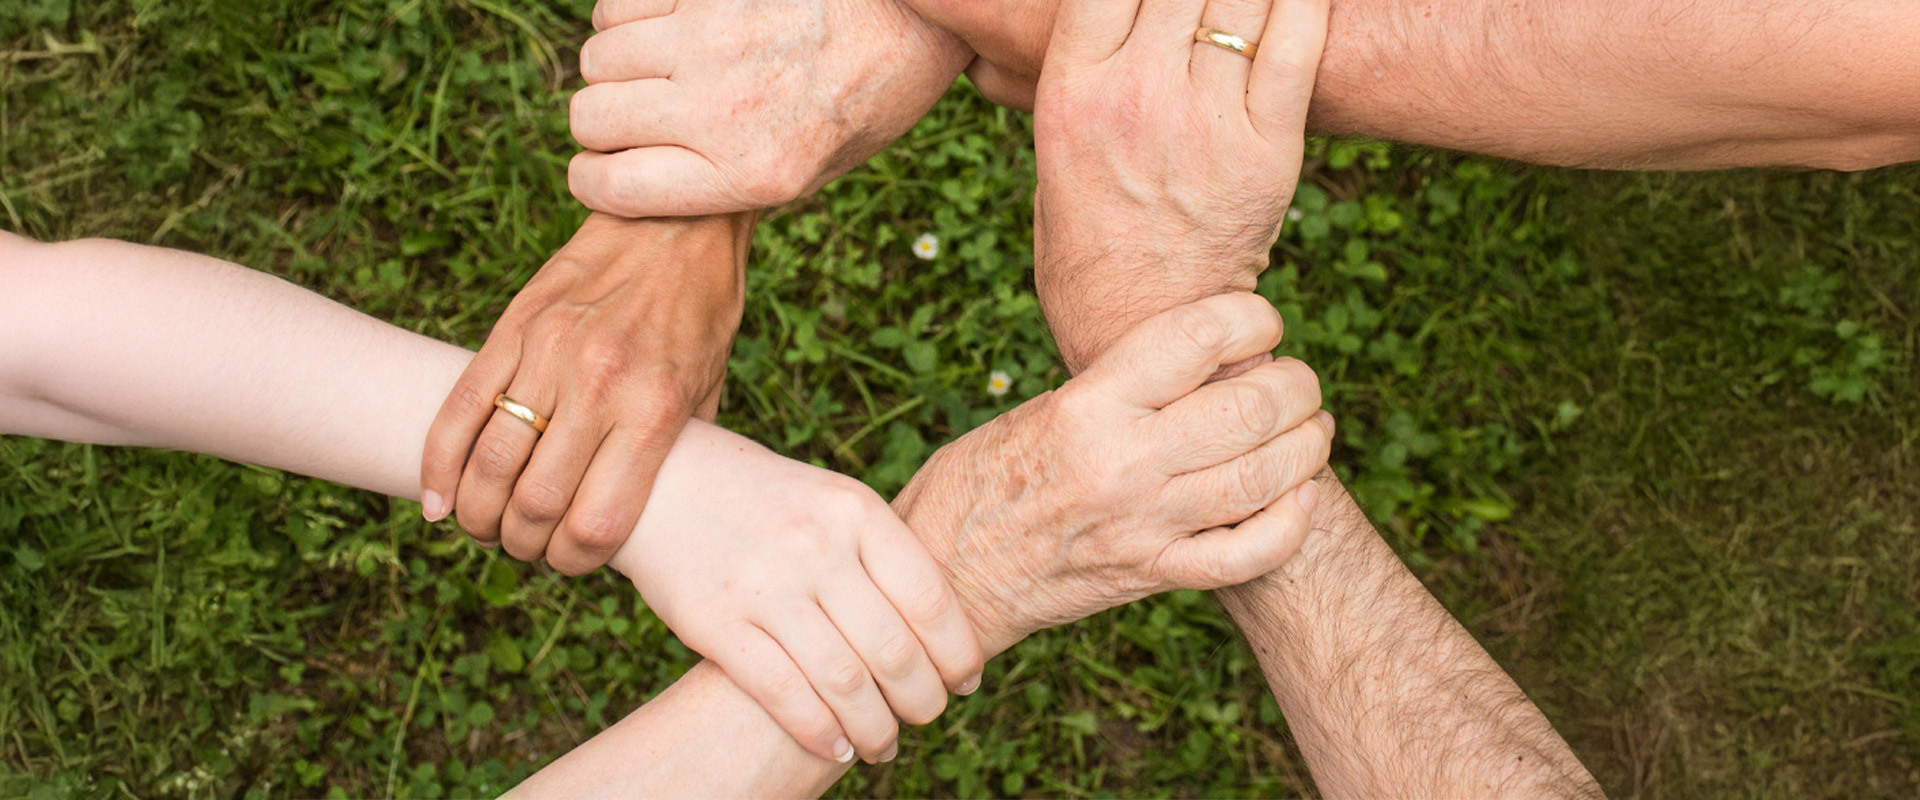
pixel 1226 41
pixel 520 412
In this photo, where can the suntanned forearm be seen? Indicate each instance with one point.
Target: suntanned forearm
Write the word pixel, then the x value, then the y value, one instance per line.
pixel 1387 695
pixel 1613 84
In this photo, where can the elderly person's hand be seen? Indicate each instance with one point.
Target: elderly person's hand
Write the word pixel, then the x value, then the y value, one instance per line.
pixel 618 340
pixel 714 106
pixel 1130 479
pixel 1166 164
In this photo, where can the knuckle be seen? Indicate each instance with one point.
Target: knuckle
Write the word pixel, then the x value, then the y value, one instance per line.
pixel 605 359
pixel 539 501
pixel 787 686
pixel 468 398
pixel 496 459
pixel 595 529
pixel 896 656
pixel 926 601
pixel 843 678
pixel 1254 481
pixel 1254 410
pixel 1198 329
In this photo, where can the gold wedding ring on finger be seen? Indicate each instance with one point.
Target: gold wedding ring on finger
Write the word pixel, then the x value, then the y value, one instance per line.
pixel 521 412
pixel 1226 41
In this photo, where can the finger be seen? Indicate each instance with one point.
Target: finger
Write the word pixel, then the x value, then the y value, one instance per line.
pixel 917 589
pixel 768 675
pixel 1231 492
pixel 630 51
pixel 545 490
pixel 839 677
pixel 1281 85
pixel 457 425
pixel 651 182
pixel 889 648
pixel 1170 354
pixel 499 456
pixel 1221 74
pixel 1231 556
pixel 1167 26
pixel 612 495
pixel 624 114
pixel 610 13
pixel 1001 86
pixel 1228 419
pixel 1090 31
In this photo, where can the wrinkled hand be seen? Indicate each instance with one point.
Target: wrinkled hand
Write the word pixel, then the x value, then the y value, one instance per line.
pixel 1132 478
pixel 714 106
pixel 1165 165
pixel 806 588
pixel 618 340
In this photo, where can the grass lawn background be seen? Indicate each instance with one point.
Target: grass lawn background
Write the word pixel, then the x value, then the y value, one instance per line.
pixel 1653 438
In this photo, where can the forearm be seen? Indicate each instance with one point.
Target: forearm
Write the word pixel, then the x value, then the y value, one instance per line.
pixel 1387 695
pixel 703 737
pixel 142 346
pixel 1635 84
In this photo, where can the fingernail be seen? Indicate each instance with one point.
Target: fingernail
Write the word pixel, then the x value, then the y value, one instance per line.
pixel 1326 421
pixel 893 750
pixel 843 750
pixel 970 686
pixel 433 506
pixel 486 545
pixel 1308 496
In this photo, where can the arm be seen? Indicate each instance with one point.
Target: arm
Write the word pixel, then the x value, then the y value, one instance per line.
pixel 1615 84
pixel 1045 515
pixel 1387 695
pixel 188 352
pixel 799 582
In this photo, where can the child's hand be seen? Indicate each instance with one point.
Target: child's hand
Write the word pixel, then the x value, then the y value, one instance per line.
pixel 806 588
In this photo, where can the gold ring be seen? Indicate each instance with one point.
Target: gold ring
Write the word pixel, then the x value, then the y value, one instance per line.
pixel 521 412
pixel 1226 41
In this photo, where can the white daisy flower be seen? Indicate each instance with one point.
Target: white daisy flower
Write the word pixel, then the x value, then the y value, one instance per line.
pixel 999 383
pixel 927 247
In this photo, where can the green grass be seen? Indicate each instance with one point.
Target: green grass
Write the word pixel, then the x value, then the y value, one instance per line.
pixel 1652 437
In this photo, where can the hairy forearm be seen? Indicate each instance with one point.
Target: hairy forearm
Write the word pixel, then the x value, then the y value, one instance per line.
pixel 1386 694
pixel 1632 84
pixel 1615 84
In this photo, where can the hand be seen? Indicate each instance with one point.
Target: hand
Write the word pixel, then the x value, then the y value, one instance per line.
pixel 618 340
pixel 806 588
pixel 1166 165
pixel 715 106
pixel 1009 38
pixel 1130 479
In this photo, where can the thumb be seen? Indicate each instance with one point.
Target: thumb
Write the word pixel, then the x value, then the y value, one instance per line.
pixel 1172 353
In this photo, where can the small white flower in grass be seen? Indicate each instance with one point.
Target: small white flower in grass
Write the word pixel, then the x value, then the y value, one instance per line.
pixel 1295 215
pixel 998 383
pixel 927 247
